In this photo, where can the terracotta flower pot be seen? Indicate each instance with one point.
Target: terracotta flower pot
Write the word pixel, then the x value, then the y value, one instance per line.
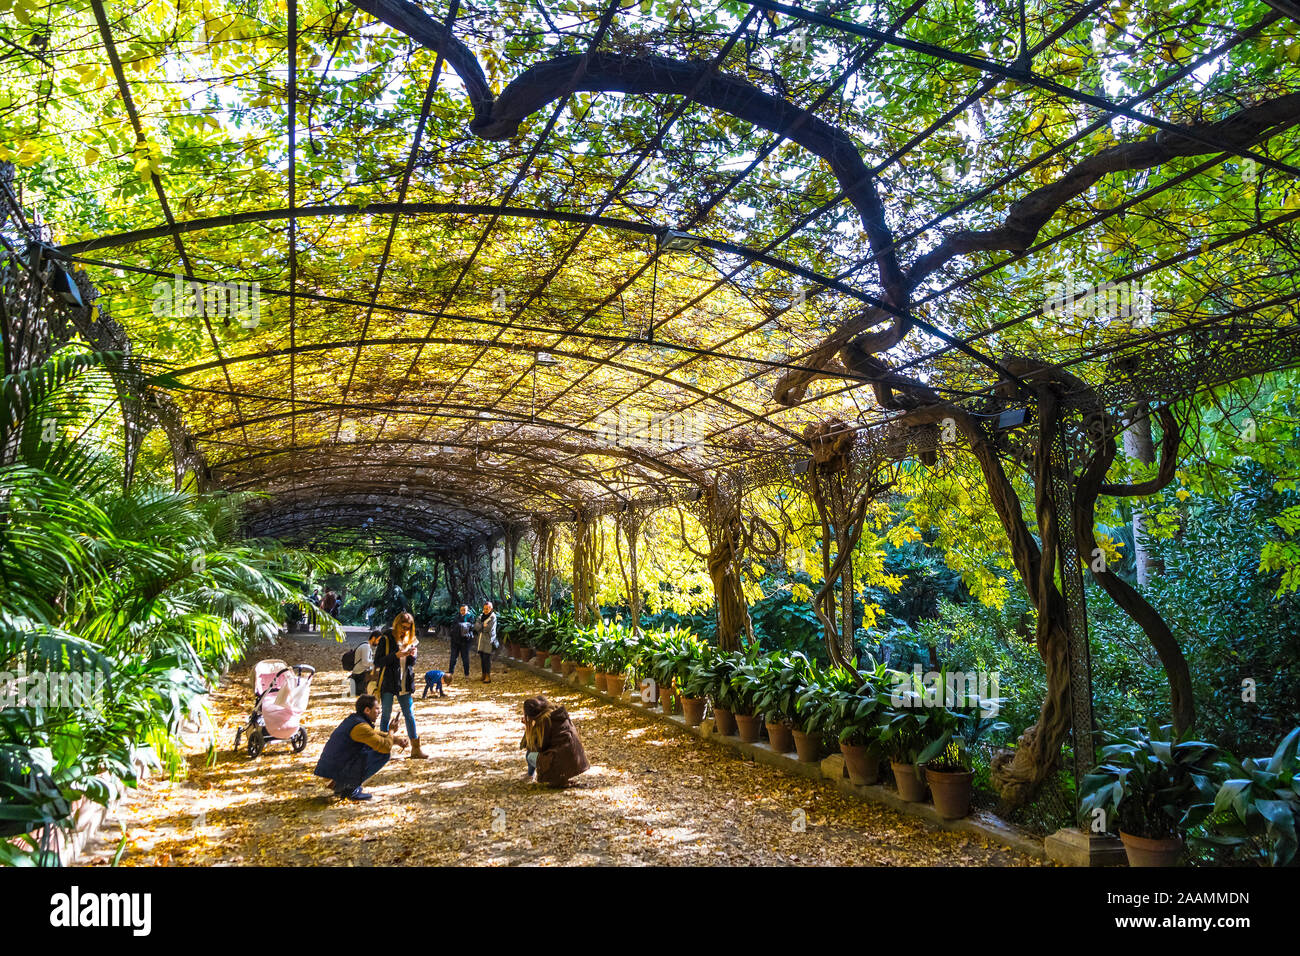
pixel 666 699
pixel 584 674
pixel 528 653
pixel 600 680
pixel 808 746
pixel 724 721
pixel 567 667
pixel 907 777
pixel 951 792
pixel 614 684
pixel 779 736
pixel 862 765
pixel 693 710
pixel 557 663
pixel 1144 851
pixel 748 725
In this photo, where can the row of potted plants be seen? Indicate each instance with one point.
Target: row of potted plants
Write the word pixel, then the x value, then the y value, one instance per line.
pixel 874 714
pixel 1156 791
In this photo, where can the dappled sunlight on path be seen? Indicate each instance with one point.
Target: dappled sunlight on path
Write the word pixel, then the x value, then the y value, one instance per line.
pixel 654 795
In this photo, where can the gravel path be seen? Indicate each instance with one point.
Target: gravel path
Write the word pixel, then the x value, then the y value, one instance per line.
pixel 654 795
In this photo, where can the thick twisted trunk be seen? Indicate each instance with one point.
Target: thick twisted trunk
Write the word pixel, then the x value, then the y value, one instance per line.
pixel 1130 600
pixel 1018 775
pixel 722 524
pixel 728 595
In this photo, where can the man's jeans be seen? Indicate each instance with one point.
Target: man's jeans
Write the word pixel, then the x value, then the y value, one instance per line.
pixel 374 761
pixel 459 648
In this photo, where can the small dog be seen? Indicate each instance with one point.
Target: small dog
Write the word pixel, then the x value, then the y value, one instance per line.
pixel 434 680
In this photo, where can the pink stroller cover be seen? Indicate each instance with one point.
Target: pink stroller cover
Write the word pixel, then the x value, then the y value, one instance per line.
pixel 285 702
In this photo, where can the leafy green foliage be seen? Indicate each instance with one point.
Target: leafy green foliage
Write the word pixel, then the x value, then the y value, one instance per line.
pixel 1257 808
pixel 1151 784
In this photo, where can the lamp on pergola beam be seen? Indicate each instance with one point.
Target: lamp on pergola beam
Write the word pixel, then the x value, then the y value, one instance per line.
pixel 550 361
pixel 672 240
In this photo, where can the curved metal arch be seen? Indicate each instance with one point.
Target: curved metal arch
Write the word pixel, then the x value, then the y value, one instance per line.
pixel 542 488
pixel 417 498
pixel 418 408
pixel 205 223
pixel 329 510
pixel 303 528
pixel 444 340
pixel 503 446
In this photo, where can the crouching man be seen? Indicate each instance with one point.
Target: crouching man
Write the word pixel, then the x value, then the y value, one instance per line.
pixel 356 751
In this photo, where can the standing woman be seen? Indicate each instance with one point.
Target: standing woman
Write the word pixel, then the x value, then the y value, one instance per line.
pixel 487 640
pixel 395 663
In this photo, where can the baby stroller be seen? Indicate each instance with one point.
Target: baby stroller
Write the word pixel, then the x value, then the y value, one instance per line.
pixel 280 695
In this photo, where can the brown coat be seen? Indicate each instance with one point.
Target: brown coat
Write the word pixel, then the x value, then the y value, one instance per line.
pixel 561 755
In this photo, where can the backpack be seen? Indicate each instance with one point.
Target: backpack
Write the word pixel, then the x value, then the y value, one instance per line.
pixel 349 658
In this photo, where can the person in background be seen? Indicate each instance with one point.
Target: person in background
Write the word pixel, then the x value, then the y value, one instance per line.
pixel 395 660
pixel 462 632
pixel 551 745
pixel 329 603
pixel 487 640
pixel 315 603
pixel 355 751
pixel 364 664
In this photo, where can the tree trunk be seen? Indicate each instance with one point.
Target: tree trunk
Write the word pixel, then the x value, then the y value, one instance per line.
pixel 586 533
pixel 723 527
pixel 1139 446
pixel 629 524
pixel 543 562
pixel 1019 774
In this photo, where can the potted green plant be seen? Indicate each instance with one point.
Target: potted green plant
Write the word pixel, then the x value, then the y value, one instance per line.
pixel 785 677
pixel 696 681
pixel 1153 787
pixel 1257 808
pixel 857 717
pixel 842 706
pixel 613 655
pixel 746 684
pixel 583 648
pixel 952 731
pixel 718 670
pixel 814 720
pixel 668 658
pixel 901 728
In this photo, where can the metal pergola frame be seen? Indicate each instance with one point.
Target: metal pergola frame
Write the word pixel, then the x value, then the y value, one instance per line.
pixel 590 464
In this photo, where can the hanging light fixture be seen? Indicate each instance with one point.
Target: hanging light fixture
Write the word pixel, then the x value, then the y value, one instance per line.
pixel 675 241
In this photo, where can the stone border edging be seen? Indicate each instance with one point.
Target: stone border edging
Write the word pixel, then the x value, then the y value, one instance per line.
pixel 830 770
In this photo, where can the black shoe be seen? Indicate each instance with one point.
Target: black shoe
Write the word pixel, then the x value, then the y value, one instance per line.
pixel 357 794
pixel 441 694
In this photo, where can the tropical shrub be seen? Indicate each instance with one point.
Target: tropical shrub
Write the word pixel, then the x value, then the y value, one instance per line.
pixel 1257 808
pixel 147 590
pixel 1151 784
